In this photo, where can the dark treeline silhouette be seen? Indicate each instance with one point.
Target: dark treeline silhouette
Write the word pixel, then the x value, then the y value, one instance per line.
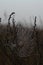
pixel 20 45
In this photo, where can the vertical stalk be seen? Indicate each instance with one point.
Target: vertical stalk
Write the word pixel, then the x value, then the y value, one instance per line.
pixel 37 42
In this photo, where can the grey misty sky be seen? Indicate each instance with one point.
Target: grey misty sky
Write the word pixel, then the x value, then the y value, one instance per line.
pixel 22 8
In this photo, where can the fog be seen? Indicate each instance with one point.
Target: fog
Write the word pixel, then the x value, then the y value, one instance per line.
pixel 24 9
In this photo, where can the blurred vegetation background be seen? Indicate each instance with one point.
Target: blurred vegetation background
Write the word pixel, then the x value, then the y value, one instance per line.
pixel 20 45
